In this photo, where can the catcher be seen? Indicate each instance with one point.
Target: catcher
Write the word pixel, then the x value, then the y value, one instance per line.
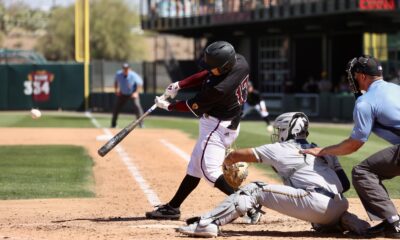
pixel 312 191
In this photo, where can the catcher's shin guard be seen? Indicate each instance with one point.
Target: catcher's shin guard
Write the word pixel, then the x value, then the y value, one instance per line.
pixel 234 206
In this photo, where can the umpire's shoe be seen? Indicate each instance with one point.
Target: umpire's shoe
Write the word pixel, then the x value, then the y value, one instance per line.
pixel 385 229
pixel 164 212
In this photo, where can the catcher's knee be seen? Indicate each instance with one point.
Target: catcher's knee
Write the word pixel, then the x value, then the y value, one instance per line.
pixel 243 204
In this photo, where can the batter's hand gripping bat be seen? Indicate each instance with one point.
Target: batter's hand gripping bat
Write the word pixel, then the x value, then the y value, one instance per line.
pixel 124 132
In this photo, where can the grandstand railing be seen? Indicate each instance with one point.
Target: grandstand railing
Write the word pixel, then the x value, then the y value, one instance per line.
pixel 165 14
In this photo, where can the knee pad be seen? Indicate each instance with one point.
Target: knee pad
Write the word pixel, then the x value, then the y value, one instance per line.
pixel 234 206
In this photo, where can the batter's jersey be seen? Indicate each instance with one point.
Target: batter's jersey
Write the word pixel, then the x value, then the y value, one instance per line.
pixel 128 84
pixel 379 104
pixel 222 96
pixel 298 170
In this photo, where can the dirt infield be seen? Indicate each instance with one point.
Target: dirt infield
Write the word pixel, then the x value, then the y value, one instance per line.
pixel 118 210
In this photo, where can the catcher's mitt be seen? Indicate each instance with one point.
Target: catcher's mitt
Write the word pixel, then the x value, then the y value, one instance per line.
pixel 235 174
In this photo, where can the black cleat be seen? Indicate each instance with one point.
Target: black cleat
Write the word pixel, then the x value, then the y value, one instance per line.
pixel 164 212
pixel 385 229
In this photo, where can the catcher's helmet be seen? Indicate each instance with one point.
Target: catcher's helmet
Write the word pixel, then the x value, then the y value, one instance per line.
pixel 291 125
pixel 364 64
pixel 219 57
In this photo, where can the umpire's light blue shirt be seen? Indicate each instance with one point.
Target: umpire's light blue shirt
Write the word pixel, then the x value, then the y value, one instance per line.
pixel 381 102
pixel 128 84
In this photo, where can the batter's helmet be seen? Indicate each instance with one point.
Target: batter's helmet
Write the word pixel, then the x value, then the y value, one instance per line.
pixel 291 125
pixel 219 57
pixel 365 64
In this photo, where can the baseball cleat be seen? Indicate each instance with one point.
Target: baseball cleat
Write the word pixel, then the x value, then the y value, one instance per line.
pixel 385 229
pixel 195 230
pixel 254 216
pixel 164 212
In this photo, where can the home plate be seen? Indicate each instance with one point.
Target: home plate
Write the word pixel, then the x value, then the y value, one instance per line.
pixel 155 226
pixel 103 137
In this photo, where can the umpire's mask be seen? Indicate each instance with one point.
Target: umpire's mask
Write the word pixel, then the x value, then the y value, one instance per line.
pixel 365 64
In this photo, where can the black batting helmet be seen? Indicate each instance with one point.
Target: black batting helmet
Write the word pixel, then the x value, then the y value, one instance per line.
pixel 219 57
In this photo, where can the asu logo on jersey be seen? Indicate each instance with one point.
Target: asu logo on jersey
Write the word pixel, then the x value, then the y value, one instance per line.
pixel 195 106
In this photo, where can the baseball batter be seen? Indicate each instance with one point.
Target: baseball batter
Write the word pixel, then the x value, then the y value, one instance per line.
pixel 218 105
pixel 313 185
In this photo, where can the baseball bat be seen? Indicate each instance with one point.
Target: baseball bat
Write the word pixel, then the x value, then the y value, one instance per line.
pixel 124 132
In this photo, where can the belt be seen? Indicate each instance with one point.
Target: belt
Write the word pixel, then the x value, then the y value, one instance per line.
pixel 231 126
pixel 325 192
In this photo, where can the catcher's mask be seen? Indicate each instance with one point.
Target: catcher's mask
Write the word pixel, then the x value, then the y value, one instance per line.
pixel 291 125
pixel 219 58
pixel 365 64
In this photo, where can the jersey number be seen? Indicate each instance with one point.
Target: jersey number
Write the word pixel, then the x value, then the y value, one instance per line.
pixel 36 88
pixel 241 91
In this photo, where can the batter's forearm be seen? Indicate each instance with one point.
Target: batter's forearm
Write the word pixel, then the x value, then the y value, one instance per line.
pixel 178 107
pixel 194 80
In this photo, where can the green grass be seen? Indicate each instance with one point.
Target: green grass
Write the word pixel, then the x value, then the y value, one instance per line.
pixel 253 133
pixel 45 171
pixel 47 120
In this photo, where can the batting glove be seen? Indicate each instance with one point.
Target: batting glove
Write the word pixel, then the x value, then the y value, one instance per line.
pixel 162 103
pixel 172 90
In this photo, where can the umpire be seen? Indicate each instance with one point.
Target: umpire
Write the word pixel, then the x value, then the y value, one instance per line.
pixel 377 109
pixel 127 86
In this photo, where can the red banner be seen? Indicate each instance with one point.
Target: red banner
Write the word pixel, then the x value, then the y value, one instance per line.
pixel 377 5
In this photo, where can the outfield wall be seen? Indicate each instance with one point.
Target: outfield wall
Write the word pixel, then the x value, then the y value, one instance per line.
pixel 43 86
pixel 327 106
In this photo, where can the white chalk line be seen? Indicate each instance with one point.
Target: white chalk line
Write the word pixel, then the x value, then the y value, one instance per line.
pixel 155 226
pixel 175 149
pixel 150 194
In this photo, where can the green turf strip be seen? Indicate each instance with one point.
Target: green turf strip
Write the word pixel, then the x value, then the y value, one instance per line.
pixel 47 120
pixel 45 171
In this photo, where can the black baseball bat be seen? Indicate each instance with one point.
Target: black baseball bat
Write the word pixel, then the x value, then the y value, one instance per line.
pixel 124 132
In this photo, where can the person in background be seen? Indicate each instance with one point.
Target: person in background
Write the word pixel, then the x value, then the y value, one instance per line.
pixel 255 102
pixel 128 85
pixel 324 85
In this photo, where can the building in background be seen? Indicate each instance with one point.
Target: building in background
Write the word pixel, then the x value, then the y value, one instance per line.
pixel 287 42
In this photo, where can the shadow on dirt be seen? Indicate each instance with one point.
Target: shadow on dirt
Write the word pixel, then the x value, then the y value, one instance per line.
pixel 110 219
pixel 294 234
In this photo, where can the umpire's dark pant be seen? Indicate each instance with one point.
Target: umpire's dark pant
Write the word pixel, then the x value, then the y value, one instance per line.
pixel 367 180
pixel 121 101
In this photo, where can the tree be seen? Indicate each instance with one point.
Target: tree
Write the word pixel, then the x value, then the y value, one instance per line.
pixel 111 35
pixel 58 42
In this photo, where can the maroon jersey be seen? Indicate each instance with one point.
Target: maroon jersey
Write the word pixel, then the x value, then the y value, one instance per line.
pixel 223 96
